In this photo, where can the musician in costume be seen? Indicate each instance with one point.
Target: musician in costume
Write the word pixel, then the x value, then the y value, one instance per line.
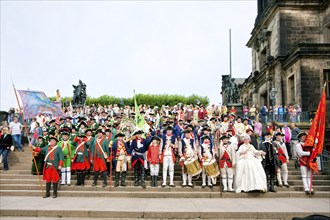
pixel 99 148
pixel 122 157
pixel 138 148
pixel 68 151
pixel 168 155
pixel 227 162
pixel 54 161
pixel 73 133
pixel 45 135
pixel 269 161
pixel 303 157
pixel 283 159
pixel 39 157
pixel 80 161
pixel 154 155
pixel 233 140
pixel 205 154
pixel 186 152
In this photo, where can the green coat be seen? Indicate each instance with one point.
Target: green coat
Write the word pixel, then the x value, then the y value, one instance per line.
pixel 96 152
pixel 39 160
pixel 82 149
pixel 68 152
pixel 56 157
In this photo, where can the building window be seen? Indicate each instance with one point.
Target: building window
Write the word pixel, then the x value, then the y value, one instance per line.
pixel 327 81
pixel 292 92
pixel 262 58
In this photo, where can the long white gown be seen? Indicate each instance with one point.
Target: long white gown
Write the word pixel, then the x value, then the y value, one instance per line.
pixel 250 174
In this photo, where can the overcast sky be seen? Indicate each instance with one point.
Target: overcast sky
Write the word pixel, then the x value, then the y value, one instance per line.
pixel 172 47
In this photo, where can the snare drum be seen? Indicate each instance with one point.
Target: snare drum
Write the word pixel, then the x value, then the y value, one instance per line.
pixel 211 168
pixel 193 166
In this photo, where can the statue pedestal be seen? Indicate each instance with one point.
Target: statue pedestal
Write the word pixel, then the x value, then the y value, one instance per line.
pixel 238 107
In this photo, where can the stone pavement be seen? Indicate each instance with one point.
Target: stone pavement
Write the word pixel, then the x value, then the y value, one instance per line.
pixel 155 208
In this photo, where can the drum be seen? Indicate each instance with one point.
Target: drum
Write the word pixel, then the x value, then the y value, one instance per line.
pixel 193 166
pixel 211 168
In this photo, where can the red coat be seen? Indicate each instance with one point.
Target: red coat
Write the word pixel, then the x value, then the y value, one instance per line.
pixel 153 154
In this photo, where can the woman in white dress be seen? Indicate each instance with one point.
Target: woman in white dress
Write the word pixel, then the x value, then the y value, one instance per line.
pixel 250 174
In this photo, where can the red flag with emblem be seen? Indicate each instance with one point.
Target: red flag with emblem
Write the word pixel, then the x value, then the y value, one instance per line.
pixel 315 137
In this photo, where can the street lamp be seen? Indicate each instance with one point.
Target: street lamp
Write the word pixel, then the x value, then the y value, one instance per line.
pixel 272 96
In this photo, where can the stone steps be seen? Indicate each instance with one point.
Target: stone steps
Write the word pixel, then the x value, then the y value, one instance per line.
pixel 130 187
pixel 166 194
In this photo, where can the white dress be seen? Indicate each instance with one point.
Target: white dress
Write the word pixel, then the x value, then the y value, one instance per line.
pixel 250 174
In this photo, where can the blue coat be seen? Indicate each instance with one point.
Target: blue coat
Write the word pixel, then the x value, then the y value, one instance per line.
pixel 137 153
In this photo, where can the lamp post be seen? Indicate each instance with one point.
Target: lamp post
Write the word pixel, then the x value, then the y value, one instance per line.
pixel 272 96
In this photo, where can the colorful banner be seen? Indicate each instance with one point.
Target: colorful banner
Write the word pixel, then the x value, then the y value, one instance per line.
pixel 35 102
pixel 315 137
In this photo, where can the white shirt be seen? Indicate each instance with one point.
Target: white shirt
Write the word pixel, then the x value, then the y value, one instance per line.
pixel 15 127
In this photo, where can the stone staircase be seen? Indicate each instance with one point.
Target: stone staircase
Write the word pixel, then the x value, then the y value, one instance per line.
pixel 18 181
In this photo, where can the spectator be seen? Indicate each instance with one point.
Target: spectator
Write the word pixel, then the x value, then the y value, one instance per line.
pixel 294 140
pixel 41 119
pixel 36 133
pixel 298 113
pixel 263 113
pixel 280 113
pixel 246 111
pixel 233 110
pixel 16 129
pixel 253 112
pixel 258 129
pixel 287 138
pixel 5 143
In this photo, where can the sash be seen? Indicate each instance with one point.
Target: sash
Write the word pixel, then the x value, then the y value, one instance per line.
pixel 99 145
pixel 46 157
pixel 66 145
pixel 82 143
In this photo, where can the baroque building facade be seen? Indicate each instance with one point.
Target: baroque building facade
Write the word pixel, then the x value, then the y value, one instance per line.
pixel 290 45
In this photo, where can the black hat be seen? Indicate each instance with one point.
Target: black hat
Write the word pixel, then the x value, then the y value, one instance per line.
pixel 155 138
pixel 52 133
pixel 69 117
pixel 267 133
pixel 99 131
pixel 138 132
pixel 205 137
pixel 169 128
pixel 88 129
pixel 52 121
pixel 246 119
pixel 279 133
pixel 108 130
pixel 186 131
pixel 81 134
pixel 82 122
pixel 189 126
pixel 41 137
pixel 62 119
pixel 228 136
pixel 303 133
pixel 119 135
pixel 44 129
pixel 205 129
pixel 54 138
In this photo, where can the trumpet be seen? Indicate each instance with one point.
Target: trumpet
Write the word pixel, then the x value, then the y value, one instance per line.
pixel 129 139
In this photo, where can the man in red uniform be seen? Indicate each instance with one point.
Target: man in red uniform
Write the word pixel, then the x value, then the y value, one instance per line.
pixel 283 157
pixel 54 161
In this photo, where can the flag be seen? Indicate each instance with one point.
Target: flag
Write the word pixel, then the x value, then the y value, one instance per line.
pixel 315 137
pixel 139 119
pixel 35 102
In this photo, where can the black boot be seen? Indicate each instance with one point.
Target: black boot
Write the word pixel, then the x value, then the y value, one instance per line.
pixel 155 183
pixel 123 177
pixel 143 183
pixel 136 178
pixel 78 178
pixel 54 190
pixel 272 188
pixel 47 194
pixel 116 179
pixel 96 175
pixel 83 178
pixel 104 175
pixel 152 181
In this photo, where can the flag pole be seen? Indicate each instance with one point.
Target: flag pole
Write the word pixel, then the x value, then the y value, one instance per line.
pixel 311 170
pixel 27 134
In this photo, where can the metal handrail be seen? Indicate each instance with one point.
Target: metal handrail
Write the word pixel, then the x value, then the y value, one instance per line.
pixel 325 162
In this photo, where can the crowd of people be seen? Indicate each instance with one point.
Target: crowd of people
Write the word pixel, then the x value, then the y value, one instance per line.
pixel 247 154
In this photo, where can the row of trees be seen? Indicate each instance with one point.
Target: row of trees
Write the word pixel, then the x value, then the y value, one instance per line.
pixel 148 99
